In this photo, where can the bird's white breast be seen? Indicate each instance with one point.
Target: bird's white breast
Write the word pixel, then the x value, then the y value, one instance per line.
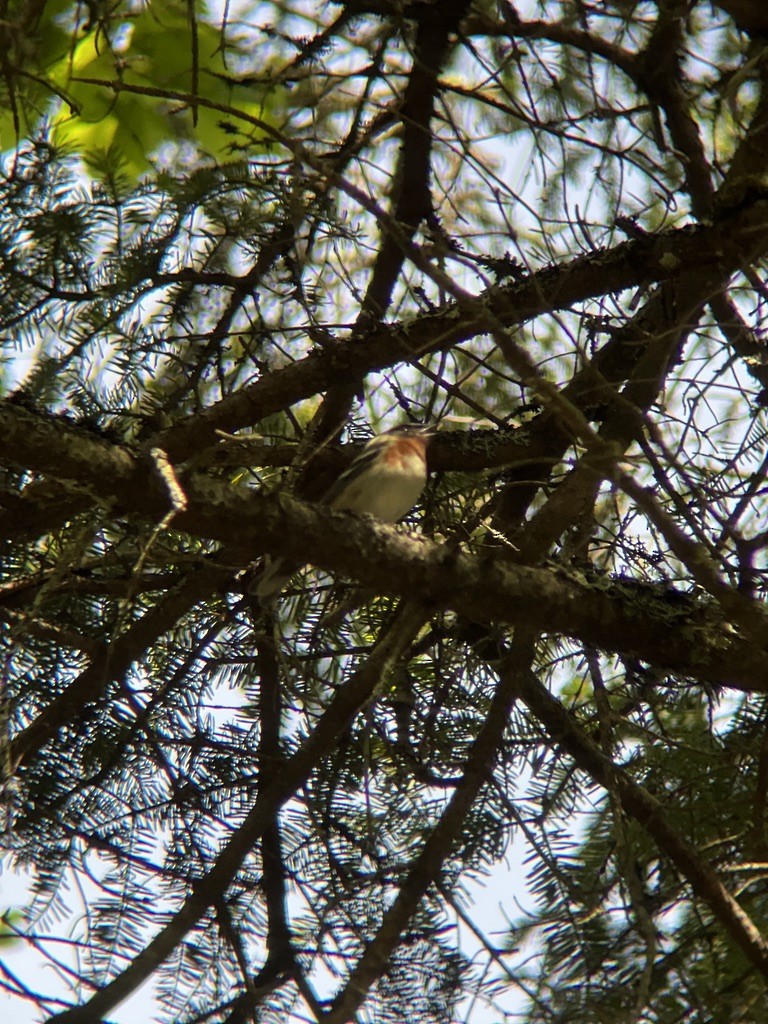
pixel 385 491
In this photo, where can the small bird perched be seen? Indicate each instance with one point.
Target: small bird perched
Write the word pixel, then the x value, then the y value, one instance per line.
pixel 384 481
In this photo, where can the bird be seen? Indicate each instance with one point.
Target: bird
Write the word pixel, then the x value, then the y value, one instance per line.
pixel 384 481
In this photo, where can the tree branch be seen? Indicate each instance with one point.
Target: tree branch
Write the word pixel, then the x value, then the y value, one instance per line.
pixel 427 866
pixel 650 812
pixel 296 769
pixel 665 630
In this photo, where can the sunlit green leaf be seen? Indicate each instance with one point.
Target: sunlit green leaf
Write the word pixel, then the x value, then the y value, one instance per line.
pixel 150 50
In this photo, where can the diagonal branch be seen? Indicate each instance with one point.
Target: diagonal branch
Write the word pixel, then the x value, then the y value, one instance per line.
pixel 295 771
pixel 427 866
pixel 650 813
pixel 665 628
pixel 113 660
pixel 717 251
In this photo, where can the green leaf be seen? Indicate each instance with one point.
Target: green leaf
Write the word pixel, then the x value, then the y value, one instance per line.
pixel 153 50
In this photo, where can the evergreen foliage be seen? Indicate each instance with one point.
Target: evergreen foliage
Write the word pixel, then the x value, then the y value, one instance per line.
pixel 234 243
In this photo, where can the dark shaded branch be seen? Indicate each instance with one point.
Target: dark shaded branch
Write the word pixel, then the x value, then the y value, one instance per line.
pixel 624 423
pixel 296 769
pixel 428 865
pixel 115 659
pixel 566 33
pixel 273 868
pixel 657 628
pixel 563 729
pixel 744 178
pixel 661 75
pixel 716 250
pixel 413 200
pixel 39 511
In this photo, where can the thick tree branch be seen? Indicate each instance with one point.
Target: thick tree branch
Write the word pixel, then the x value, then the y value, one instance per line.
pixel 716 250
pixel 661 75
pixel 597 612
